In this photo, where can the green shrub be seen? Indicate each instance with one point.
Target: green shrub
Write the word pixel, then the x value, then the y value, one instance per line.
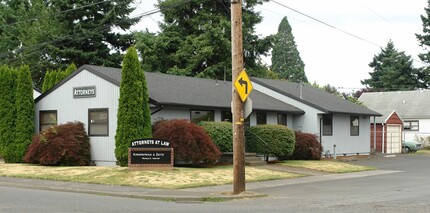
pixel 271 140
pixel 67 145
pixel 221 134
pixel 307 147
pixel 190 142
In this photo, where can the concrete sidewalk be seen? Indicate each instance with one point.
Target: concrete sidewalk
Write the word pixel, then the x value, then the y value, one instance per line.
pixel 210 193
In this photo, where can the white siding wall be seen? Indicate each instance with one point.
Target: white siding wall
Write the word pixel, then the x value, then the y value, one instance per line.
pixel 72 109
pixel 305 123
pixel 345 143
pixel 272 118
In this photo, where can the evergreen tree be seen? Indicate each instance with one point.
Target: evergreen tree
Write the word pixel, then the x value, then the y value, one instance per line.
pixel 286 59
pixel 70 69
pixel 24 123
pixel 393 71
pixel 46 80
pixel 54 77
pixel 49 35
pixel 195 40
pixel 133 109
pixel 7 108
pixel 424 41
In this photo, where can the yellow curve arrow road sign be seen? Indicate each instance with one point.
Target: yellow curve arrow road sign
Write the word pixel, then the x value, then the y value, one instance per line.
pixel 243 85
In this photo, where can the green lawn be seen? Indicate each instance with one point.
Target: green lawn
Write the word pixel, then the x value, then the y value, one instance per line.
pixel 326 166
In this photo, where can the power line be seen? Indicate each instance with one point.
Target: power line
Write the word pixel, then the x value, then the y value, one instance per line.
pixel 338 29
pixel 325 23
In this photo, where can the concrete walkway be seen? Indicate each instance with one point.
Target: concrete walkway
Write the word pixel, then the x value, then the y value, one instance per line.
pixel 211 193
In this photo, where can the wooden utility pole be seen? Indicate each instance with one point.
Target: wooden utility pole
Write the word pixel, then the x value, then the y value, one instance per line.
pixel 237 67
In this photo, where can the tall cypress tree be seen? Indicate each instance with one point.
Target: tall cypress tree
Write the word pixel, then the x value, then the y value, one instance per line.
pixel 132 123
pixel 286 61
pixel 7 108
pixel 24 123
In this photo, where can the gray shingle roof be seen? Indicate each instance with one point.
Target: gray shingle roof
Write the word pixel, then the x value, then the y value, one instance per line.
pixel 187 91
pixel 315 97
pixel 408 104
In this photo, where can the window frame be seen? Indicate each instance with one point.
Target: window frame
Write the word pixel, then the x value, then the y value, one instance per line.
pixel 325 118
pixel 352 126
pixel 265 118
pixel 191 115
pixel 285 119
pixel 411 126
pixel 223 116
pixel 107 122
pixel 40 119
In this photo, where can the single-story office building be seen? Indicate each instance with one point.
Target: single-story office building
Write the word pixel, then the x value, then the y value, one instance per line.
pixel 90 95
pixel 342 126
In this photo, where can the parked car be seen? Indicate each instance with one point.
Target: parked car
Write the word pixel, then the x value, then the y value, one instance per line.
pixel 410 146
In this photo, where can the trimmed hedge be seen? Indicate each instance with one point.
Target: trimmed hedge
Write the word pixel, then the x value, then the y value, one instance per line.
pixel 307 147
pixel 221 134
pixel 190 142
pixel 271 140
pixel 24 117
pixel 66 145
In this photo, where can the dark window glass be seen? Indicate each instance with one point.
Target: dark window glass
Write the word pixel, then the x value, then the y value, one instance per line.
pixel 327 125
pixel 261 118
pixel 47 119
pixel 98 122
pixel 226 116
pixel 282 119
pixel 201 115
pixel 354 126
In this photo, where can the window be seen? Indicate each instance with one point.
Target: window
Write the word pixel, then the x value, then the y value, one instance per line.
pixel 226 116
pixel 201 115
pixel 354 126
pixel 98 122
pixel 261 118
pixel 282 119
pixel 411 125
pixel 47 119
pixel 327 125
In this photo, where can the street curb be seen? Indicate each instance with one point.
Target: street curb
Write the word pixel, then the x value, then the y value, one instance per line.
pixel 175 198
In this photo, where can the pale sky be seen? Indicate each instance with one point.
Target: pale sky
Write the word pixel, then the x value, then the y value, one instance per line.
pixel 330 56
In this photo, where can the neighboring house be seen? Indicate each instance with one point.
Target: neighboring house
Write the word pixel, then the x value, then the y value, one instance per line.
pixel 389 129
pixel 341 125
pixel 90 95
pixel 412 106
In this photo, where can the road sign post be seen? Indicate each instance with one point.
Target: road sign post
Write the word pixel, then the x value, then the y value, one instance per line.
pixel 236 67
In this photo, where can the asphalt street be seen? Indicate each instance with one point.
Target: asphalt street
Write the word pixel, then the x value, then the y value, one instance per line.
pixel 401 185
